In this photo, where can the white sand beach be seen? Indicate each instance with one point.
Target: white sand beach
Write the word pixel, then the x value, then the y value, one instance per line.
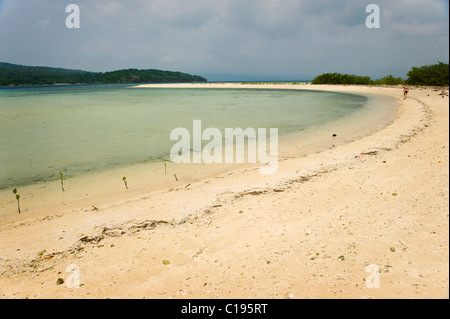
pixel 308 231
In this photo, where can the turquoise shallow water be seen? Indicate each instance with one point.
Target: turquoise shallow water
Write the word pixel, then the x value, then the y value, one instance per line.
pixel 78 129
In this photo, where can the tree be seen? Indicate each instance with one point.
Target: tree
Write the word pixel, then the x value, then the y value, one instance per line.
pixel 338 78
pixel 433 75
pixel 389 80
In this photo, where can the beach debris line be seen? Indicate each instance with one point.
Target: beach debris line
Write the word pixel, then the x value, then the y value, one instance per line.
pixel 17 198
pixel 61 177
pixel 125 181
pixel 118 231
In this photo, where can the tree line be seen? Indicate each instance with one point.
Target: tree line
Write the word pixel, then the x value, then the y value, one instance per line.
pixel 12 74
pixel 432 75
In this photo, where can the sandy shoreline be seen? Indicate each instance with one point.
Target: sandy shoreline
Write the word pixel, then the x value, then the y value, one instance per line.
pixel 308 231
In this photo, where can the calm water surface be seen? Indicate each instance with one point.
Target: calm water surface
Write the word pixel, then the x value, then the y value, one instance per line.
pixel 77 129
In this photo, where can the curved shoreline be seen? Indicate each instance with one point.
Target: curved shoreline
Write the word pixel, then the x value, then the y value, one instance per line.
pixel 102 187
pixel 32 168
pixel 318 236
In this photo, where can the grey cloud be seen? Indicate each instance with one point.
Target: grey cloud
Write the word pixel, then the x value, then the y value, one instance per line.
pixel 277 38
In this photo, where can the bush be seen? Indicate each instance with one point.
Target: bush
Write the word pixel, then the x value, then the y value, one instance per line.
pixel 338 78
pixel 433 75
pixel 389 80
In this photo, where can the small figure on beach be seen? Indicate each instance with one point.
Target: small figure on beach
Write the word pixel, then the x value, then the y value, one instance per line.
pixel 405 91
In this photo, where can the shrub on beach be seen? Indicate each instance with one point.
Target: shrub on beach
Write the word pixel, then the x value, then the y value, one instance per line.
pixel 433 75
pixel 338 78
pixel 389 80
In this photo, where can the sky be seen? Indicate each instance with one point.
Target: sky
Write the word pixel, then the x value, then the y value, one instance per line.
pixel 228 40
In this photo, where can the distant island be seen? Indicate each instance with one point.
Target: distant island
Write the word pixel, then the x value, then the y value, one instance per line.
pixel 13 74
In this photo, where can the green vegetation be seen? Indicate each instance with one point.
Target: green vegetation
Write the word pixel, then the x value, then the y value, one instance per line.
pixel 338 78
pixel 17 198
pixel 125 182
pixel 389 80
pixel 432 75
pixel 274 83
pixel 12 74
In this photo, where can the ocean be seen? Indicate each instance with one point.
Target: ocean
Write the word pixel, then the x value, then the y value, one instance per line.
pixel 79 129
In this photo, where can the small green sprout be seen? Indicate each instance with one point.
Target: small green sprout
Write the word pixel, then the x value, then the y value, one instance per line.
pixel 125 182
pixel 18 198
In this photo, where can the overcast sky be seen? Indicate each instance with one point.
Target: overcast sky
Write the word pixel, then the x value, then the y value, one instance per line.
pixel 228 39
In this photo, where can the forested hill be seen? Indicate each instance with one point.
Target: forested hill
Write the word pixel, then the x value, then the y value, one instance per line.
pixel 12 74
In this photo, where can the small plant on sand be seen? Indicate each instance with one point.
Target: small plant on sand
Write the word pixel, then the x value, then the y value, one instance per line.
pixel 18 198
pixel 61 177
pixel 125 182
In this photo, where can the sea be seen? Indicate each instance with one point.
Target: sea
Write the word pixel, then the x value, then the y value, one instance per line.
pixel 80 129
